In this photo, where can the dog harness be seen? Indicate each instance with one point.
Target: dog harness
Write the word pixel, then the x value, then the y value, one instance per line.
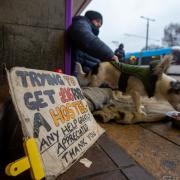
pixel 142 73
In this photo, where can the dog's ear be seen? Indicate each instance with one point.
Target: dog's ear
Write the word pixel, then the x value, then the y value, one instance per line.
pixel 174 87
pixel 163 66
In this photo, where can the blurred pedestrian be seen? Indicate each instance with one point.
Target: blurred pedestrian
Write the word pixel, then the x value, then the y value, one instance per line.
pixel 120 53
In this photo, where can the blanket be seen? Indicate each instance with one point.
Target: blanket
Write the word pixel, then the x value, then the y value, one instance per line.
pixel 108 105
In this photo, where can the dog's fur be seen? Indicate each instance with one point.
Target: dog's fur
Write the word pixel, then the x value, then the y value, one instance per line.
pixel 165 87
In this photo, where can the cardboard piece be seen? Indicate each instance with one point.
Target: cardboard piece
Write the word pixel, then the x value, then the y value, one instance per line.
pixel 52 109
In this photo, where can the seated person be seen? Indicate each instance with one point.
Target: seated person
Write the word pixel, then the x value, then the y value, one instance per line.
pixel 87 48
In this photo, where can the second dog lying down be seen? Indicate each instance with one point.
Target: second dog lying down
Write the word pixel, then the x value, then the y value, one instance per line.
pixel 143 81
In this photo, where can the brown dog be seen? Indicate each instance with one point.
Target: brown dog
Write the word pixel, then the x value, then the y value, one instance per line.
pixel 156 83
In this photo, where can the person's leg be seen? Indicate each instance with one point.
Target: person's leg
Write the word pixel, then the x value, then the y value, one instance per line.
pixel 90 62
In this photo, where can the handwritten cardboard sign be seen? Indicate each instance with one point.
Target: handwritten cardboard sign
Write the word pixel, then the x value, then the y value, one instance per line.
pixel 52 109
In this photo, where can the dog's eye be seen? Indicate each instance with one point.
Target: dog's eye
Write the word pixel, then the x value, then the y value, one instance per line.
pixel 175 85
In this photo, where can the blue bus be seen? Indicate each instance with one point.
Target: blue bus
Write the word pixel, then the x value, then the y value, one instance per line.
pixel 144 57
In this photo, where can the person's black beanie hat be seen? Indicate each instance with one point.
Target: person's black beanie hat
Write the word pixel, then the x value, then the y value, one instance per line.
pixel 91 15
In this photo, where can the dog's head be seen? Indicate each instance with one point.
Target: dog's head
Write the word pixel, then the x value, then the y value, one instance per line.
pixel 173 94
pixel 170 86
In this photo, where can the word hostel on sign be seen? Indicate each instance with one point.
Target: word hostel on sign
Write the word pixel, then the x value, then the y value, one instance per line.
pixel 53 109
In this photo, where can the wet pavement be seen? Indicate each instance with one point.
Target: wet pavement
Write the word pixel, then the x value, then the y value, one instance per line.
pixel 155 146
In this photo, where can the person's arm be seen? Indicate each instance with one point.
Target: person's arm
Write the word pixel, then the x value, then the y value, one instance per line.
pixel 115 58
pixel 82 35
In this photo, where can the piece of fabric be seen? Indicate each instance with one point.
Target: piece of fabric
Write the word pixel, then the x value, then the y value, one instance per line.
pixel 143 73
pixel 97 97
pixel 106 107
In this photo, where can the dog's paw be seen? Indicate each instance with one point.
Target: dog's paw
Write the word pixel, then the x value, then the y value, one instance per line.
pixel 140 115
pixel 128 118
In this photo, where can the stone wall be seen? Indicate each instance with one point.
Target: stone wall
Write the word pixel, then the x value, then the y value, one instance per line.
pixel 32 34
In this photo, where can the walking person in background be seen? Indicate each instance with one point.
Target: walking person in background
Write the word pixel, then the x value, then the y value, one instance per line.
pixel 87 48
pixel 120 53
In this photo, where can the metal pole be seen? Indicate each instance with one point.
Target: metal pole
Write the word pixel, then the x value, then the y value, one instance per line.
pixel 147 30
pixel 147 34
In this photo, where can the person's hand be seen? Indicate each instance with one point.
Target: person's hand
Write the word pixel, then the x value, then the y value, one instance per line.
pixel 115 58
